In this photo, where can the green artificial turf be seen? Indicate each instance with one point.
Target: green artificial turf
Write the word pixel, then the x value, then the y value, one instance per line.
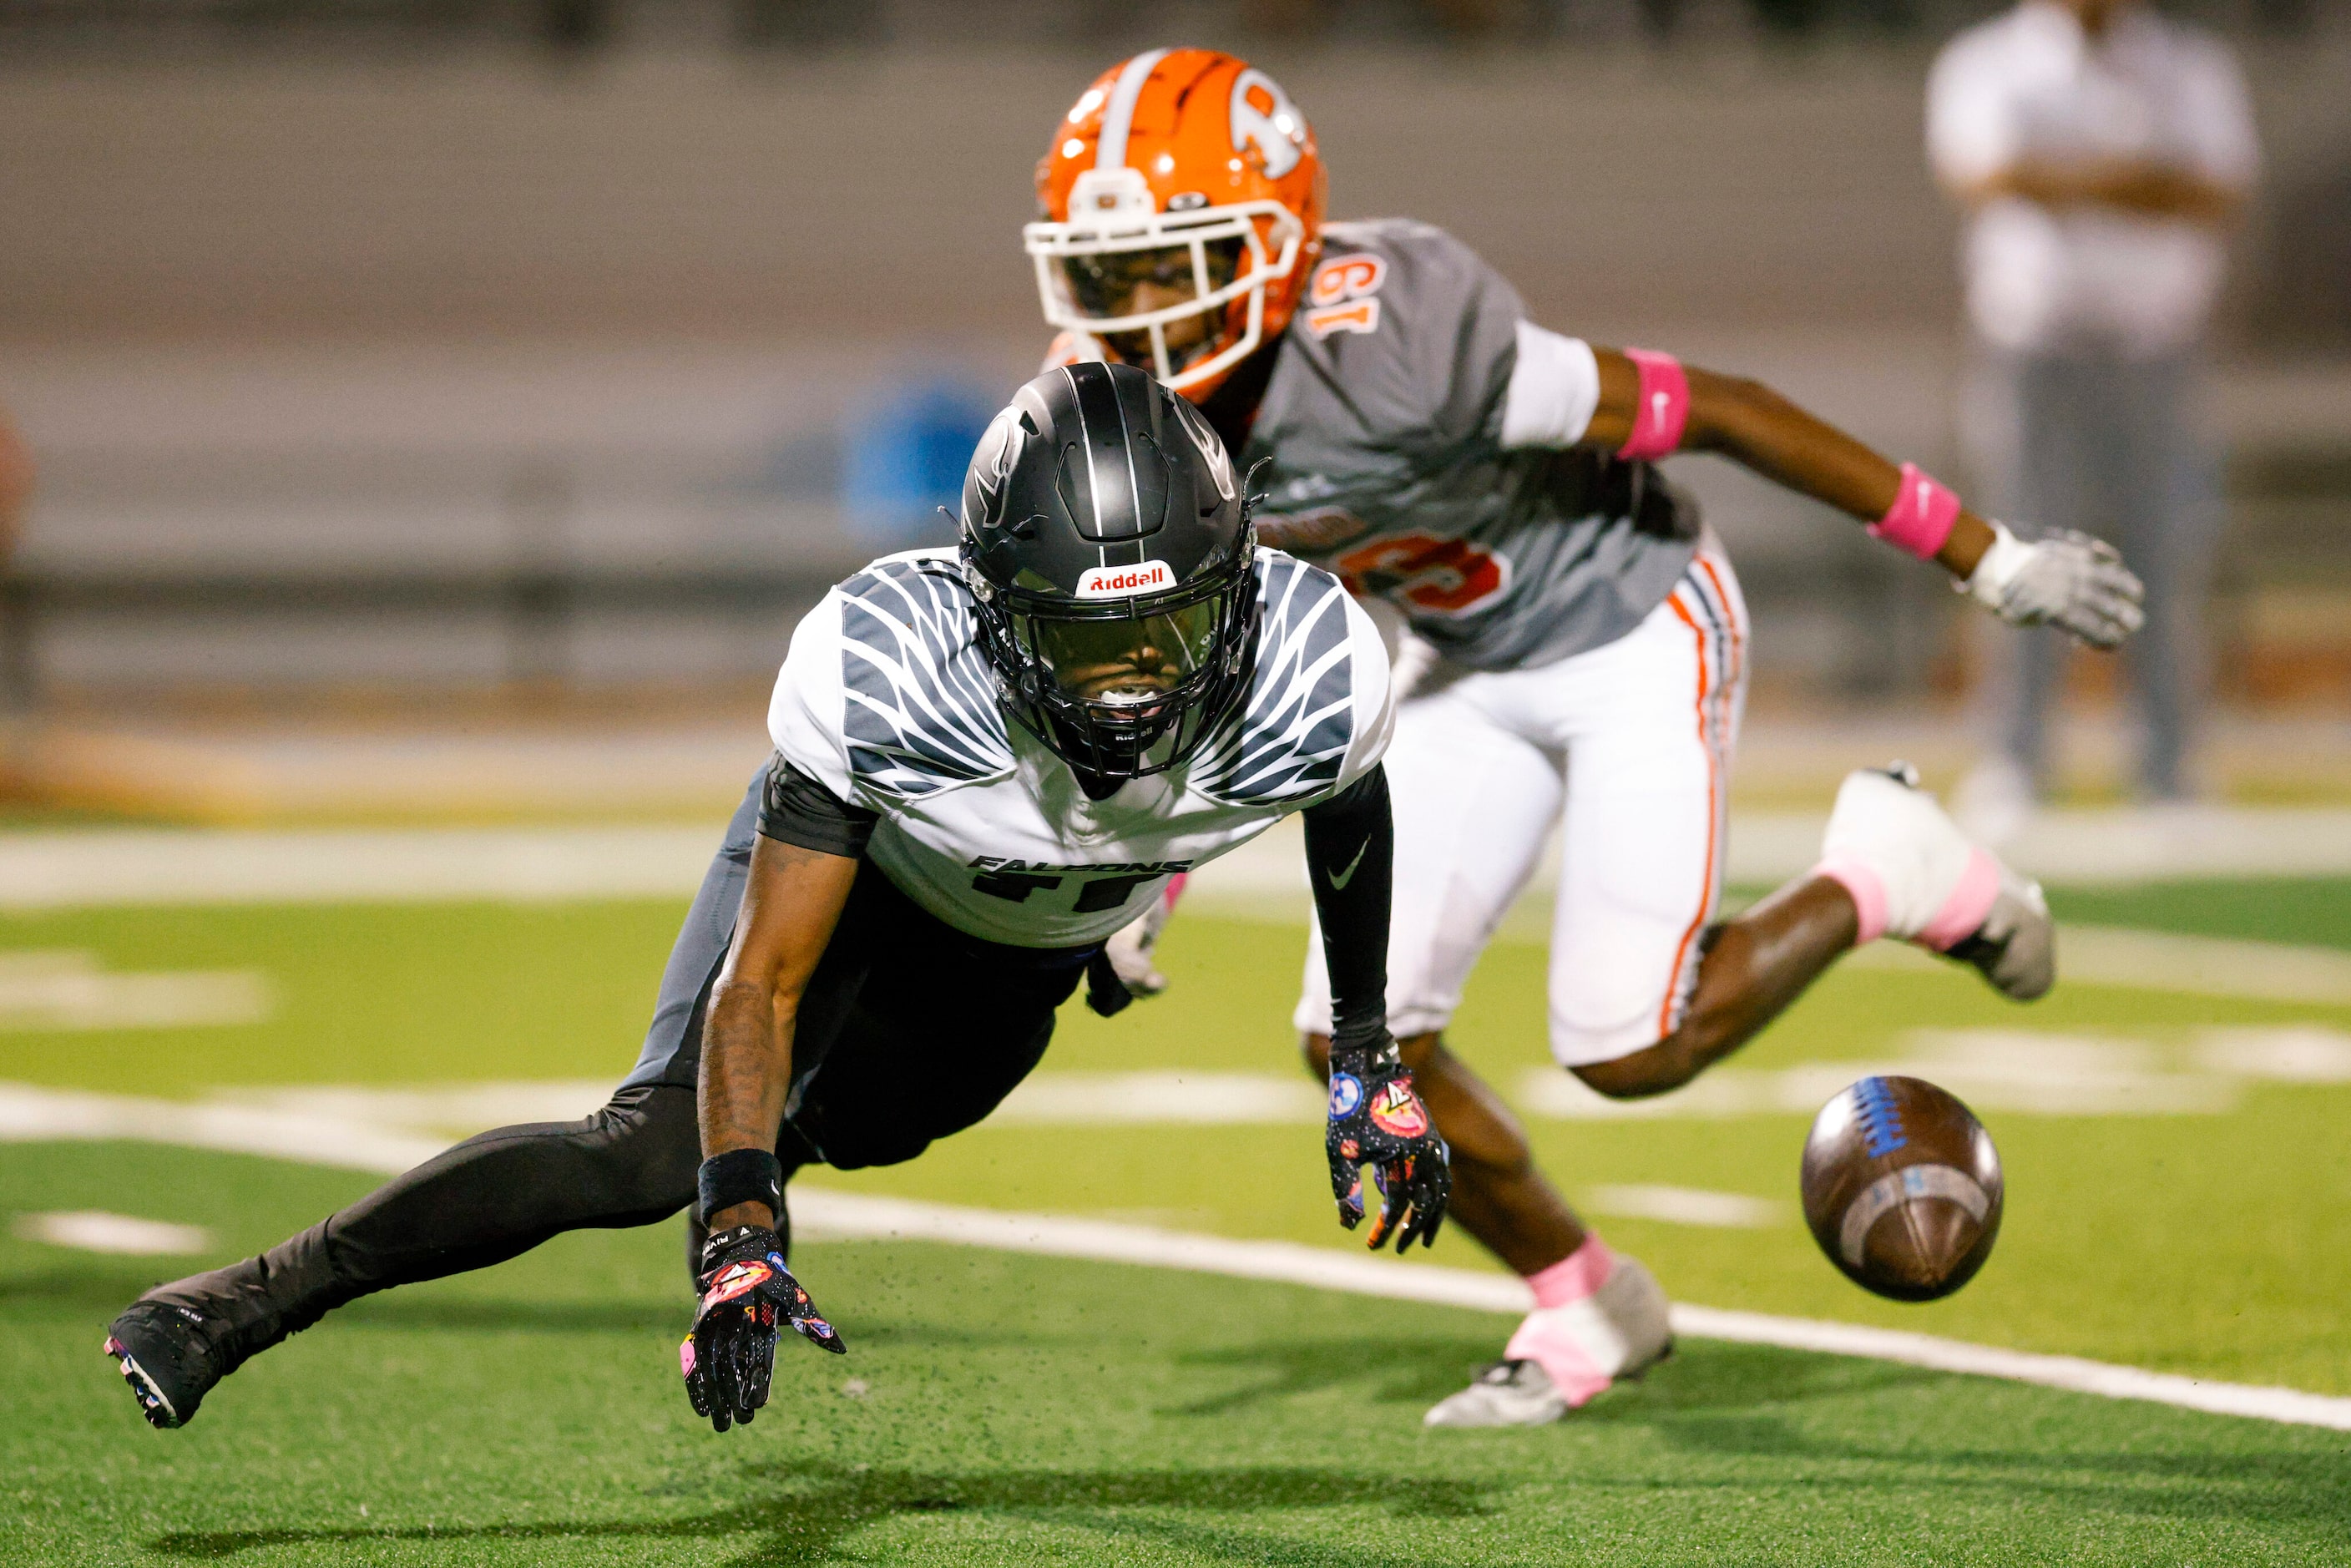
pixel 2214 1245
pixel 366 993
pixel 428 993
pixel 2312 911
pixel 1015 1410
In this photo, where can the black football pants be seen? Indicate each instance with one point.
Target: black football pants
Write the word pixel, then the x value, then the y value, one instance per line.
pixel 909 1031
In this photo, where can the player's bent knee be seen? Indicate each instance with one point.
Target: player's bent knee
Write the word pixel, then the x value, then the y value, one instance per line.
pixel 1665 1066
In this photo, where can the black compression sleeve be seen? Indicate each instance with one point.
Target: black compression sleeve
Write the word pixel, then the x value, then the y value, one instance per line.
pixel 797 809
pixel 1350 861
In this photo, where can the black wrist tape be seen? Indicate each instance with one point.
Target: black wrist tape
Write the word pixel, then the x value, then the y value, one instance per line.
pixel 1377 1045
pixel 738 1175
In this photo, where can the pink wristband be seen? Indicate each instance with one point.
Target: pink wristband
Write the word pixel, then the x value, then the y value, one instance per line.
pixel 1663 405
pixel 1922 517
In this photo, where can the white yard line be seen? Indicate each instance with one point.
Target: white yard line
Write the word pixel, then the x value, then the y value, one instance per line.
pixel 1687 1206
pixel 96 1230
pixel 148 866
pixel 56 989
pixel 816 1211
pixel 33 1114
pixel 103 866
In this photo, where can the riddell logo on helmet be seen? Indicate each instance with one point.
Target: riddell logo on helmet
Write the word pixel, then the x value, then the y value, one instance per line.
pixel 1125 582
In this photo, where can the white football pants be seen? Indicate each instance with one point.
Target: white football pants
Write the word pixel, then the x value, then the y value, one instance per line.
pixel 1629 746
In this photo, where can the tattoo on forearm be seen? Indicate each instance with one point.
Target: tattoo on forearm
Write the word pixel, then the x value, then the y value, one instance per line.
pixel 790 905
pixel 740 1101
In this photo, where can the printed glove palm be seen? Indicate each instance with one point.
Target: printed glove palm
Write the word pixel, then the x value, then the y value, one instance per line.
pixel 1377 1120
pixel 729 1354
pixel 2066 579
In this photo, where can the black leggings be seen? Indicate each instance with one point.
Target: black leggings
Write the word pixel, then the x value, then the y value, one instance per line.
pixel 910 1031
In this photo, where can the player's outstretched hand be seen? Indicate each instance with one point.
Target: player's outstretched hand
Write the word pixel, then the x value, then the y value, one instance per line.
pixel 1130 950
pixel 1377 1120
pixel 2065 579
pixel 730 1352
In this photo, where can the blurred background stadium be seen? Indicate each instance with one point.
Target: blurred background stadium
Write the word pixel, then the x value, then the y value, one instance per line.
pixel 442 408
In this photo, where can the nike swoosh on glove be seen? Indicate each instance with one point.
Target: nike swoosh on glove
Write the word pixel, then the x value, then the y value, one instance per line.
pixel 729 1354
pixel 2066 579
pixel 1377 1120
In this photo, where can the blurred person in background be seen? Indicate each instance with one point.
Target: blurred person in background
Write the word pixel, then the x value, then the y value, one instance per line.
pixel 2101 152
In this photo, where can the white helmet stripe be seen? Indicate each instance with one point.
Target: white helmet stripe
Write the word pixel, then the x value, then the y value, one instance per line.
pixel 1093 476
pixel 1118 115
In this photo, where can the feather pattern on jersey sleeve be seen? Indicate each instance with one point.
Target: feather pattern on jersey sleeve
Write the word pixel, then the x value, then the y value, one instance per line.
pixel 1291 740
pixel 919 706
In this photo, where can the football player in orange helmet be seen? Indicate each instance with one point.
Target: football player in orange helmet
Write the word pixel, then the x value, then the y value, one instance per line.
pixel 1183 200
pixel 1580 638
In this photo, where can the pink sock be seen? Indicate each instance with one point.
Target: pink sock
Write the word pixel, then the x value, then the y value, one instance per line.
pixel 1964 910
pixel 1542 1339
pixel 1868 892
pixel 1575 1276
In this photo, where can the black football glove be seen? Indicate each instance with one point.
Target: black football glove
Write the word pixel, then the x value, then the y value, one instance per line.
pixel 730 1352
pixel 1376 1120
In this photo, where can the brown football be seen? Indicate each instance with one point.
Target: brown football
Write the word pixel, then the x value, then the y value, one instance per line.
pixel 1902 1188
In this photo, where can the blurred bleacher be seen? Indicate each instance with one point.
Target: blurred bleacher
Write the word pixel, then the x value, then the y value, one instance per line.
pixel 414 350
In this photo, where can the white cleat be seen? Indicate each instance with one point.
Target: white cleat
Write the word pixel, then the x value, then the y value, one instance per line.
pixel 1505 1393
pixel 1916 876
pixel 2016 945
pixel 1616 1333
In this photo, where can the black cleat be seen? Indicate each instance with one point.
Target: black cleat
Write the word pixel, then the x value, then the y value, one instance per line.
pixel 166 1359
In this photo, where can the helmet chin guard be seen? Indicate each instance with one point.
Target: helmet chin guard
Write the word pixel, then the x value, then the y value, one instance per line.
pixel 1111 563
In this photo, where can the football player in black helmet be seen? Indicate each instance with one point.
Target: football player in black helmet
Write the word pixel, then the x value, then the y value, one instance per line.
pixel 1115 597
pixel 987 761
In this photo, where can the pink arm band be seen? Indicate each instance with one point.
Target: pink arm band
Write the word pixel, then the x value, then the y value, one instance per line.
pixel 1922 517
pixel 1664 406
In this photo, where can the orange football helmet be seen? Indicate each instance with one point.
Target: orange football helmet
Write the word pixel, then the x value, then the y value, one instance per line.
pixel 1182 204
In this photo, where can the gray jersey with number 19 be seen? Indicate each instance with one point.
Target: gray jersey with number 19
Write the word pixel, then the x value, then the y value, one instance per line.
pixel 1385 420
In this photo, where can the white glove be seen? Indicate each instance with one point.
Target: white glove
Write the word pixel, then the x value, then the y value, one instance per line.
pixel 1130 949
pixel 2068 579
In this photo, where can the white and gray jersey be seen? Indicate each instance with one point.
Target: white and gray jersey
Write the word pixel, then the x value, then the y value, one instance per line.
pixel 1421 433
pixel 886 700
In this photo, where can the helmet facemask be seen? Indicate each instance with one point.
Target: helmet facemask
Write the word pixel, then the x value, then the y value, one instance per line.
pixel 1217 263
pixel 1121 689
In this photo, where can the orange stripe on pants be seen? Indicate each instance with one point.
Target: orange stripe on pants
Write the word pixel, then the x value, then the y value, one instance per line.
pixel 1713 787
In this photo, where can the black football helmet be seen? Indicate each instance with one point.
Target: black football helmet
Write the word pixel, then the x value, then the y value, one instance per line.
pixel 1107 544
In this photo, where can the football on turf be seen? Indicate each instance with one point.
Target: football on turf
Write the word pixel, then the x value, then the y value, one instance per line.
pixel 1902 1188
